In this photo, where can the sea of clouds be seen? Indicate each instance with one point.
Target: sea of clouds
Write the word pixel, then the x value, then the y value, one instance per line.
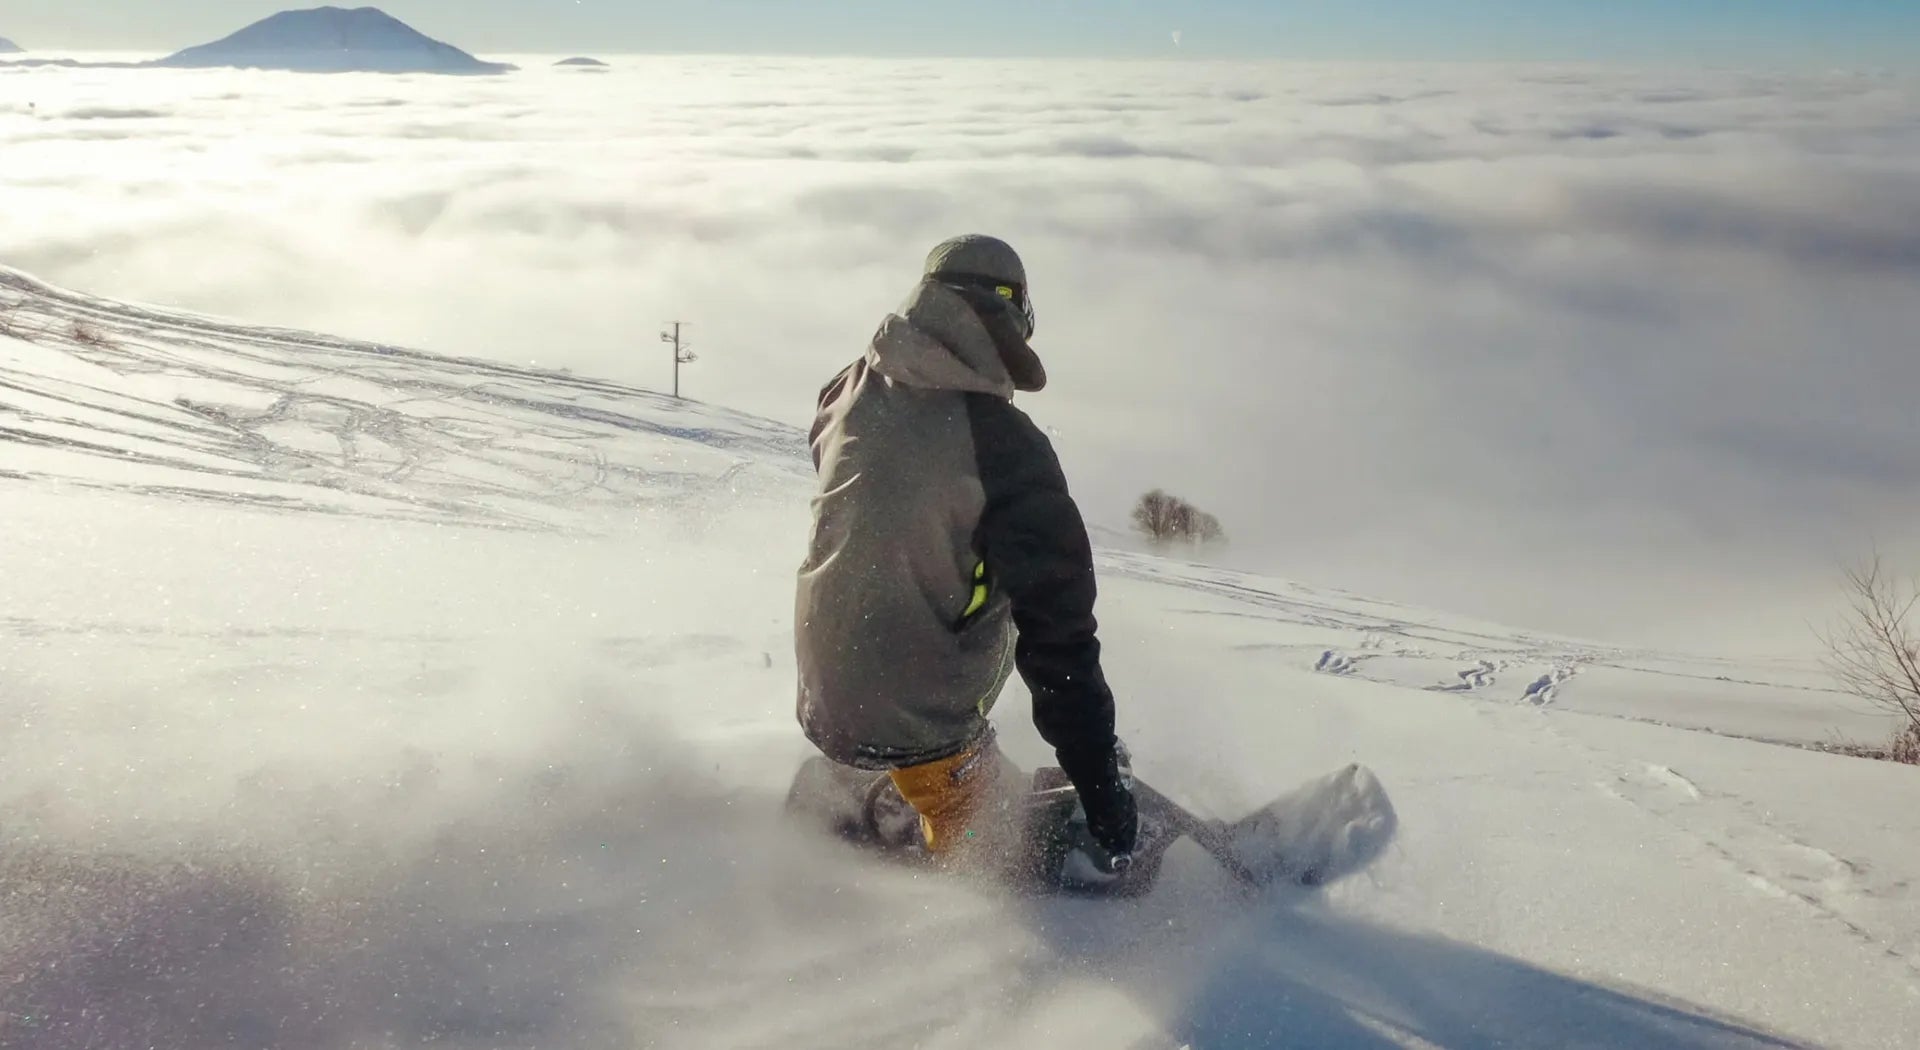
pixel 1624 352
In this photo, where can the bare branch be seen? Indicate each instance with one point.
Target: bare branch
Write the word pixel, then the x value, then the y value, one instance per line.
pixel 1874 653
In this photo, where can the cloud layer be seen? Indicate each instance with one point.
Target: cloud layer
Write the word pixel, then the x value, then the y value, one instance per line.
pixel 1595 349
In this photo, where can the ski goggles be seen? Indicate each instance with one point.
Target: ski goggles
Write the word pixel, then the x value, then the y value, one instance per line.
pixel 1017 295
pixel 1012 293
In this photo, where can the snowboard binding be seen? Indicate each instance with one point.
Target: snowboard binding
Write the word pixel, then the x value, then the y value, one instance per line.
pixel 1063 856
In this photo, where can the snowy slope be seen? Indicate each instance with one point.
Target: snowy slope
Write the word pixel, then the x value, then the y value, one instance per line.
pixel 360 697
pixel 104 395
pixel 332 40
pixel 1335 633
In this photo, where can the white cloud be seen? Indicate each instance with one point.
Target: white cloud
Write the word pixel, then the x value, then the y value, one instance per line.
pixel 1592 348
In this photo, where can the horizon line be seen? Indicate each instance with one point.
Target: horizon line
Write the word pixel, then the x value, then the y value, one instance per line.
pixel 1749 65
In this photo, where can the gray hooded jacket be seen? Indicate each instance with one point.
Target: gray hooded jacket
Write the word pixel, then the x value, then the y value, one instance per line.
pixel 946 552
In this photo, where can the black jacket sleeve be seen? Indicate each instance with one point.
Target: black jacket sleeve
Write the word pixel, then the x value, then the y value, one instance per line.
pixel 1035 546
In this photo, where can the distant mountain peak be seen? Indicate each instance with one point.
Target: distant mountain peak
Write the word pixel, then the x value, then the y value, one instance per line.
pixel 8 47
pixel 332 40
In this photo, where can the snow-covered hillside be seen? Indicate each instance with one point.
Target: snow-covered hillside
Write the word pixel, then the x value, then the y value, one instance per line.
pixel 332 40
pixel 361 697
pixel 108 396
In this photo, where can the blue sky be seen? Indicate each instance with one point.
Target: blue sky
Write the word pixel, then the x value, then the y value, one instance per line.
pixel 1794 32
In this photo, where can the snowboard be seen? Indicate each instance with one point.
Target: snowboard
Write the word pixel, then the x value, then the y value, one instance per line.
pixel 1035 840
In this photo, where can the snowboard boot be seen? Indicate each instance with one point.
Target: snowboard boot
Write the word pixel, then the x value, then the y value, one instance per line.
pixel 965 810
pixel 963 801
pixel 889 820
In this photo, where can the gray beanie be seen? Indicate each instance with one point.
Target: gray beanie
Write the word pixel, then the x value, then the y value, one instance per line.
pixel 979 255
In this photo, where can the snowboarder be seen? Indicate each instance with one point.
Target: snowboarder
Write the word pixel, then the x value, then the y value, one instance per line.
pixel 946 552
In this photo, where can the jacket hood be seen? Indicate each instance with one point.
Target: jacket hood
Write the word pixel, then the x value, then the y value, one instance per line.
pixel 939 340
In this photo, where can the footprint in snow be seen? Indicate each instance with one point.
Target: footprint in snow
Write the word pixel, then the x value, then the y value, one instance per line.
pixel 1479 676
pixel 1334 662
pixel 1543 690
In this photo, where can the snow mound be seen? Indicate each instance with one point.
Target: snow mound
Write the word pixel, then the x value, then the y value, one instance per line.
pixel 332 40
pixel 587 62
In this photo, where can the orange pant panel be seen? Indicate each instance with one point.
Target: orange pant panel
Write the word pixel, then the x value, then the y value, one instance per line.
pixel 947 794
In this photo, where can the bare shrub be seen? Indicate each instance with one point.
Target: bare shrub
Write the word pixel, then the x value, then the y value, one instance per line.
pixel 88 335
pixel 1874 653
pixel 9 323
pixel 1906 746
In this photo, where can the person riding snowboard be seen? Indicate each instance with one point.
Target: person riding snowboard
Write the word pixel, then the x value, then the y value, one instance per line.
pixel 945 553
